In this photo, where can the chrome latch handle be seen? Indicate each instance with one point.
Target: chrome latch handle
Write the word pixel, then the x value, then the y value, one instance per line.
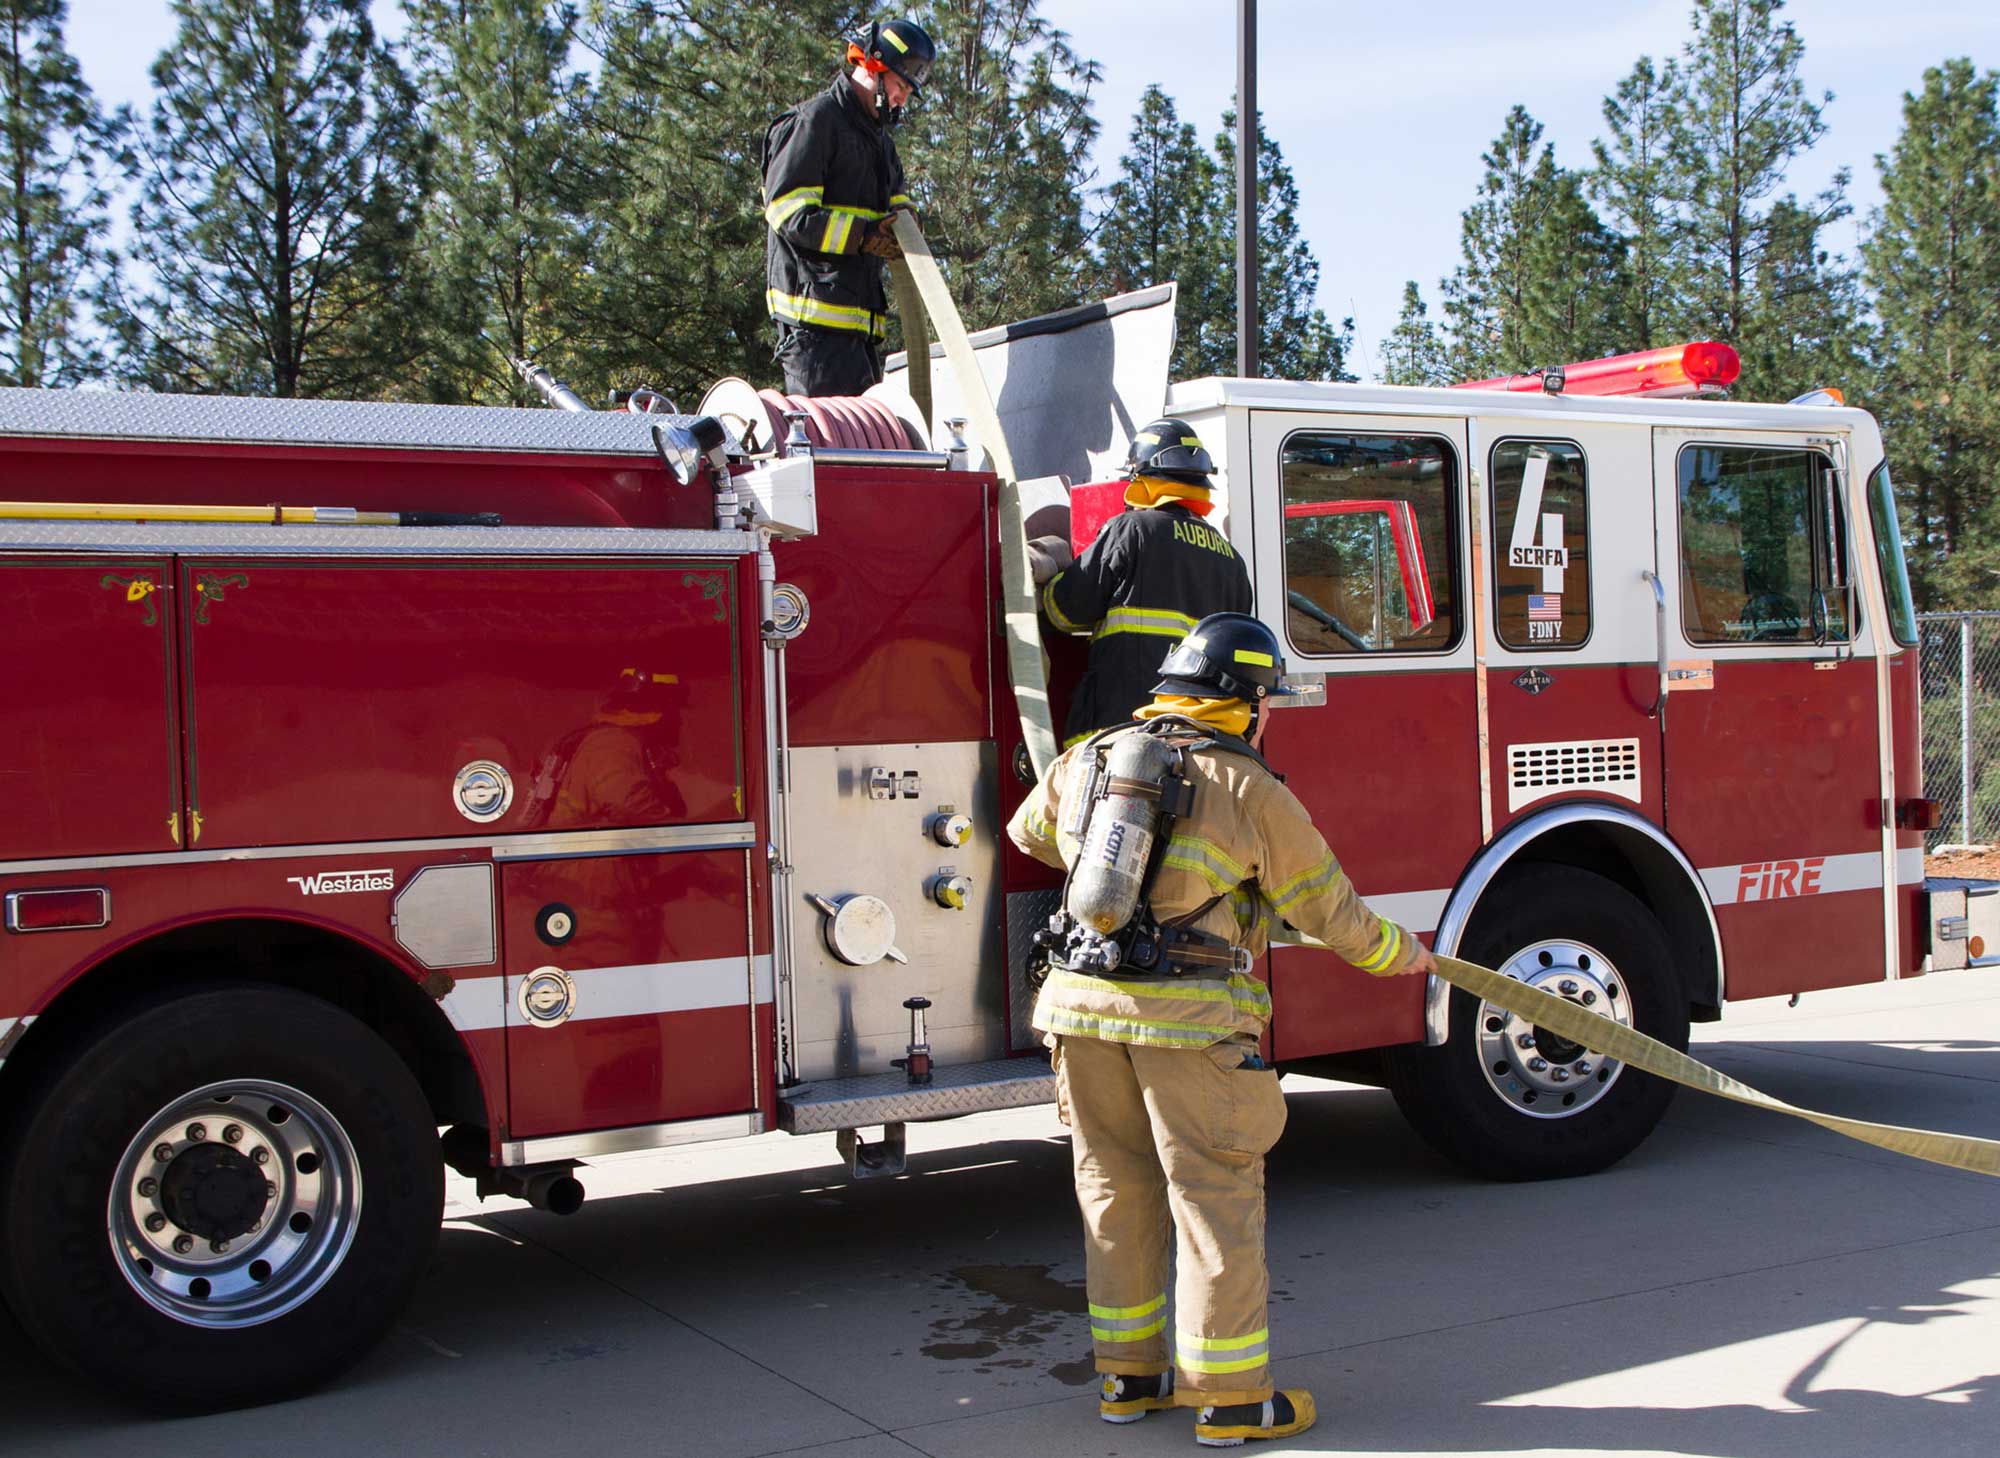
pixel 1660 621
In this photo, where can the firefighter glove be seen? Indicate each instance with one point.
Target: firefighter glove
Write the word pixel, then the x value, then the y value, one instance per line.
pixel 880 239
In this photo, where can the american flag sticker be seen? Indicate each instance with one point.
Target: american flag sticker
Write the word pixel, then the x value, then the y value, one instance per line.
pixel 1545 607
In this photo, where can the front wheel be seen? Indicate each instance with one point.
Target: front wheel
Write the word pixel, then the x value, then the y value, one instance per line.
pixel 222 1200
pixel 1512 1102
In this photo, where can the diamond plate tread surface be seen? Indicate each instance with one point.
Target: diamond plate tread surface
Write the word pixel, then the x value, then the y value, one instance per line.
pixel 304 540
pixel 102 414
pixel 888 1098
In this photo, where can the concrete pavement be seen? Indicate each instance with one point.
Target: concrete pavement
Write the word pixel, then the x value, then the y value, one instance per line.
pixel 1746 1286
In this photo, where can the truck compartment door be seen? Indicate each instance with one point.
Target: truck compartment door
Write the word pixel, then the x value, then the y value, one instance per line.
pixel 89 738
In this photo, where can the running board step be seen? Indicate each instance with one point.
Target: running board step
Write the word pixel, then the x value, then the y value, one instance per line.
pixel 889 1098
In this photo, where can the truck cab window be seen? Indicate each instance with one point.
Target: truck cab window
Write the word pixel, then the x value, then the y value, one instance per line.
pixel 1541 545
pixel 1369 522
pixel 1754 548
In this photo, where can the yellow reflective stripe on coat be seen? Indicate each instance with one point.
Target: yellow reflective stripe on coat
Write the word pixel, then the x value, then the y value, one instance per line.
pixel 1145 1032
pixel 838 226
pixel 899 200
pixel 1240 991
pixel 1207 860
pixel 1129 1323
pixel 781 208
pixel 1222 1354
pixel 1386 952
pixel 803 309
pixel 1055 614
pixel 1161 622
pixel 1316 877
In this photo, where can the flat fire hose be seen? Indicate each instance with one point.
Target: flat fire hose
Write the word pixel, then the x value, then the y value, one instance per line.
pixel 1610 1039
pixel 1017 596
pixel 916 337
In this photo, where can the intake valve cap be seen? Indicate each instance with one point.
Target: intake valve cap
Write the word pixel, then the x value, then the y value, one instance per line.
pixel 859 930
pixel 1110 868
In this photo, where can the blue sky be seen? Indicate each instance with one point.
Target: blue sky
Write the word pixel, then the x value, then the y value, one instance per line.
pixel 1383 110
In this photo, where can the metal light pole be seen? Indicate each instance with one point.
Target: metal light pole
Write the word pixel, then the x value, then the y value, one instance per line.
pixel 1247 317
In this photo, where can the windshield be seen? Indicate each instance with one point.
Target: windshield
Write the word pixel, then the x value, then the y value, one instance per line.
pixel 1889 554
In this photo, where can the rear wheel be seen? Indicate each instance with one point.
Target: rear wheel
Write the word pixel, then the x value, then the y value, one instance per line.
pixel 222 1200
pixel 1510 1101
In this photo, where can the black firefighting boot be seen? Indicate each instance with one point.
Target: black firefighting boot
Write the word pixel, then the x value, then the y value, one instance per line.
pixel 1282 1415
pixel 1126 1399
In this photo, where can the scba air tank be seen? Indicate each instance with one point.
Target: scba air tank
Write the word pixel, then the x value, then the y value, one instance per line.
pixel 1110 868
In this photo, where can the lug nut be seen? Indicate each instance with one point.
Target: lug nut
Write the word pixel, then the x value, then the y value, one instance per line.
pixel 1524 1040
pixel 1589 998
pixel 220 1247
pixel 1582 1067
pixel 149 1187
pixel 197 1132
pixel 255 1226
pixel 1568 986
pixel 183 1244
pixel 261 1155
pixel 270 1190
pixel 1538 1065
pixel 162 1153
pixel 1561 1075
pixel 232 1134
pixel 156 1222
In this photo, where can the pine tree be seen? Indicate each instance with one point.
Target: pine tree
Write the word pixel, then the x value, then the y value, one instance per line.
pixel 1486 298
pixel 502 236
pixel 1633 183
pixel 1159 223
pixel 1574 276
pixel 1933 261
pixel 278 184
pixel 52 199
pixel 1296 339
pixel 998 155
pixel 1744 118
pixel 1806 330
pixel 1413 354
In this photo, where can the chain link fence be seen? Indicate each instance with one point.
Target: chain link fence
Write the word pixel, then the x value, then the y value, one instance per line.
pixel 1959 669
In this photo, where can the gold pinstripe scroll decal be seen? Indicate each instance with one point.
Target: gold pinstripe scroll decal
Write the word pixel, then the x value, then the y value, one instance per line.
pixel 1017 596
pixel 1613 1040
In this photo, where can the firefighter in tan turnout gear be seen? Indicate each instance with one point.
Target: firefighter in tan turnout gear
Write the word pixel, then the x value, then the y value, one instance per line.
pixel 1175 824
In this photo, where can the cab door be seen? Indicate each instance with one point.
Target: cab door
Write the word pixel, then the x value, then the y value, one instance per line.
pixel 1358 536
pixel 1572 677
pixel 1771 721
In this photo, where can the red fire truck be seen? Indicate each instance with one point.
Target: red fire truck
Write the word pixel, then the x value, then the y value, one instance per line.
pixel 670 809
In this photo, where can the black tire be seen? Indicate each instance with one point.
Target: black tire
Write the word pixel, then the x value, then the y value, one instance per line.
pixel 371 1199
pixel 1525 1132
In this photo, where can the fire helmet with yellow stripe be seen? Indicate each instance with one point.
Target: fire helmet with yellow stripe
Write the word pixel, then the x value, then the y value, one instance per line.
pixel 1226 656
pixel 1170 448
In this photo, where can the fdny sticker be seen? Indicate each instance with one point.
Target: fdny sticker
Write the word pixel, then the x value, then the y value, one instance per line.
pixel 341 883
pixel 1533 681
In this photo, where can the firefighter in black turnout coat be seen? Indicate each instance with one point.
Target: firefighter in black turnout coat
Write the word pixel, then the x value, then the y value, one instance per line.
pixel 831 181
pixel 1151 575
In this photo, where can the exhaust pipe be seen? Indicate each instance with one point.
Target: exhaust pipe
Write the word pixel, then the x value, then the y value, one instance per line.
pixel 549 1187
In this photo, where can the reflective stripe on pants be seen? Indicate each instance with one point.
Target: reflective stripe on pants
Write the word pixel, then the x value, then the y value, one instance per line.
pixel 1174 1138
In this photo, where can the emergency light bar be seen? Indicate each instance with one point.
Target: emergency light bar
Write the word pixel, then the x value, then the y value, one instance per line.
pixel 1678 370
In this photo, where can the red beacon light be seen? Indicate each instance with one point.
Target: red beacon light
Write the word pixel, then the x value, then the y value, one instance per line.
pixel 1665 374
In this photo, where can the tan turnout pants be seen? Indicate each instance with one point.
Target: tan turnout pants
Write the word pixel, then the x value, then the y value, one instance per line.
pixel 1178 1134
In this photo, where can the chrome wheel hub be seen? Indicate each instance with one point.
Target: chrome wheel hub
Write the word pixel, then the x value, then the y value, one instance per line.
pixel 234 1203
pixel 1537 1073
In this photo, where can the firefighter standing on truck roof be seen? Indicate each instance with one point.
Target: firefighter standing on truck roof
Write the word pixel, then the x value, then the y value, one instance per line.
pixel 1155 1045
pixel 1152 572
pixel 832 180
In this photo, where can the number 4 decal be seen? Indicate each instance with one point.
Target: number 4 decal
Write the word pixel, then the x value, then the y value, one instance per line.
pixel 1549 555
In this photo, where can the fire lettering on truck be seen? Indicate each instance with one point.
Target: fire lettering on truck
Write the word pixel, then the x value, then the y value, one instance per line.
pixel 1771 880
pixel 340 883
